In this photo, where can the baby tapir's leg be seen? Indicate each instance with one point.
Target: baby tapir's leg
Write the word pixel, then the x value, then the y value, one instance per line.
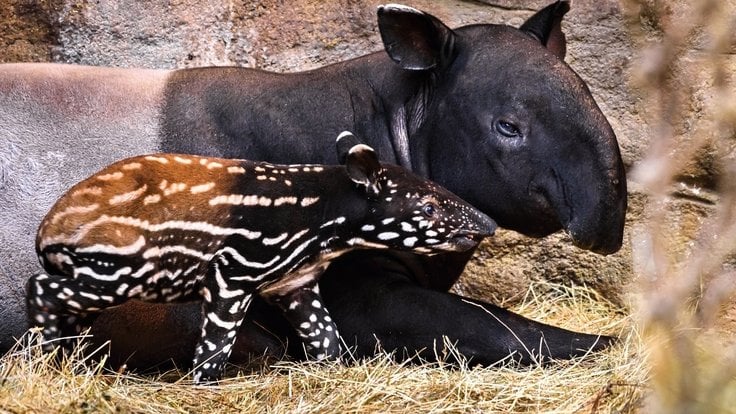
pixel 63 307
pixel 305 310
pixel 224 308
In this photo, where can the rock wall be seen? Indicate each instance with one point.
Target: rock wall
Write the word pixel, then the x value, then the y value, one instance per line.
pixel 303 34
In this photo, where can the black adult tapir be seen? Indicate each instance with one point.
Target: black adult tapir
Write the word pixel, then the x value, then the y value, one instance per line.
pixel 490 112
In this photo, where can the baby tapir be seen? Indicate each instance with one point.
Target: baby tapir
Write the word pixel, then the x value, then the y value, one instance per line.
pixel 170 227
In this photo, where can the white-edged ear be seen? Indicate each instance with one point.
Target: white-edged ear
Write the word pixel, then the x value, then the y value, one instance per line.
pixel 546 26
pixel 344 142
pixel 413 39
pixel 363 168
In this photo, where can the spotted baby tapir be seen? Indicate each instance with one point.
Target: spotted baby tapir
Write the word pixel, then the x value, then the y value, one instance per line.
pixel 170 227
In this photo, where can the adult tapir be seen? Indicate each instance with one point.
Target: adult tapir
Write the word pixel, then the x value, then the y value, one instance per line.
pixel 489 111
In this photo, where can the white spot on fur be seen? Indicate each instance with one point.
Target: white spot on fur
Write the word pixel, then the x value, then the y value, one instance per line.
pixel 357 241
pixel 285 200
pixel 338 220
pixel 129 196
pixel 219 322
pixel 387 235
pixel 235 170
pixel 234 199
pixel 147 267
pixel 87 190
pixel 174 188
pixel 161 160
pixel 74 210
pixel 270 241
pixel 308 201
pixel 245 262
pixel 86 271
pixel 151 199
pixel 88 295
pixel 132 166
pixel 111 176
pixel 294 237
pixel 121 289
pixel 201 188
pixel 161 251
pixel 133 248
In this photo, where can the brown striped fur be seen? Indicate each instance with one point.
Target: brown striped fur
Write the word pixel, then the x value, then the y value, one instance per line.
pixel 174 227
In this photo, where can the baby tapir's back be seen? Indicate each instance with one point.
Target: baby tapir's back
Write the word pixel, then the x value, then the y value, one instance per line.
pixel 165 215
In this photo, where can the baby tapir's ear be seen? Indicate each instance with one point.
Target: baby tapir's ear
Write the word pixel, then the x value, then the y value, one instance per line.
pixel 360 161
pixel 345 141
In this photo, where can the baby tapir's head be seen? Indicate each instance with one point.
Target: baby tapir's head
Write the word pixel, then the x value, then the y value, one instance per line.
pixel 406 211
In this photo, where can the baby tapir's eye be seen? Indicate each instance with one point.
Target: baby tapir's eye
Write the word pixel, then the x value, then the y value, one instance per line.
pixel 429 210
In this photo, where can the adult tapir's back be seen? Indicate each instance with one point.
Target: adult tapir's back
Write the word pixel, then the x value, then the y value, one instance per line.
pixel 59 123
pixel 231 112
pixel 491 112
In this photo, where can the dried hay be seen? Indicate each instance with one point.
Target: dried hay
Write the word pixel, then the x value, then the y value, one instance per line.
pixel 611 381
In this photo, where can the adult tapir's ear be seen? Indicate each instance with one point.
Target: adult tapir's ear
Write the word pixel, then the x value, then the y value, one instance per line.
pixel 413 39
pixel 546 26
pixel 360 161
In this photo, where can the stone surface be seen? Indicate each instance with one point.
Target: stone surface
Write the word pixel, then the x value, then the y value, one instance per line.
pixel 303 34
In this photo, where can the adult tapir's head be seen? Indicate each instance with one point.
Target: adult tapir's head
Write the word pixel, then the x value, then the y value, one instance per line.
pixel 525 140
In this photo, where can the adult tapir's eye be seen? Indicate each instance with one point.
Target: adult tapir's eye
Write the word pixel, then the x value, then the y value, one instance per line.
pixel 429 210
pixel 507 128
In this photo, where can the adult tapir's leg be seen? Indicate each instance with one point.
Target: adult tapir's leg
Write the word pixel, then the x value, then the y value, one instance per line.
pixel 379 302
pixel 147 336
pixel 370 297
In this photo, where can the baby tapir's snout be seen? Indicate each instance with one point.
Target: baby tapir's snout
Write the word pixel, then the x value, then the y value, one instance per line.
pixel 477 226
pixel 467 225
